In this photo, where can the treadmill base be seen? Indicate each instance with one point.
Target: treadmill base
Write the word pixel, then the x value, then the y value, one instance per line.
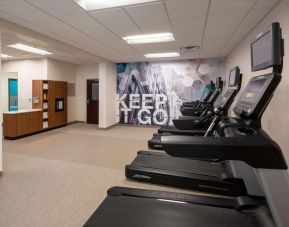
pixel 162 169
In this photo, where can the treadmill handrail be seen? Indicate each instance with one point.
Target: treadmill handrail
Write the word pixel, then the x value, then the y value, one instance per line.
pixel 245 148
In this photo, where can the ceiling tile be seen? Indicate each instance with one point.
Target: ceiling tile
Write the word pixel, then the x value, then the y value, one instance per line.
pixel 117 21
pixel 100 33
pixel 188 31
pixel 214 42
pixel 155 27
pixel 189 25
pixel 11 18
pixel 144 48
pixel 157 48
pixel 219 31
pixel 22 9
pixel 265 3
pixel 37 28
pixel 186 8
pixel 74 35
pixel 57 7
pixel 227 6
pixel 212 46
pixel 225 19
pixel 147 12
pixel 189 41
pixel 53 25
pixel 255 15
pixel 239 34
pixel 80 21
pixel 190 55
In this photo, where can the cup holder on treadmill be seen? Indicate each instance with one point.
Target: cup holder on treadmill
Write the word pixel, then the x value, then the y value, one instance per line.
pixel 246 131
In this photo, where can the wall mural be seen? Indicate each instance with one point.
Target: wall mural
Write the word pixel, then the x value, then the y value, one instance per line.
pixel 151 93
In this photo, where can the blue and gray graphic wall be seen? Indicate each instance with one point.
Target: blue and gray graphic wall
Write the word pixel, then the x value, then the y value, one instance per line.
pixel 151 93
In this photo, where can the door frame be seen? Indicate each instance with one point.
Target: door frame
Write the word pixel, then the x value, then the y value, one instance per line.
pixel 86 100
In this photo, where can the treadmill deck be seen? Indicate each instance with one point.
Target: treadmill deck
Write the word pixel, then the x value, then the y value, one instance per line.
pixel 160 168
pixel 126 207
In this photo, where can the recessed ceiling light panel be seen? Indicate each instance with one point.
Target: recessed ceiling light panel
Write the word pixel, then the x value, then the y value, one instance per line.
pixel 151 38
pixel 30 49
pixel 5 56
pixel 105 4
pixel 162 55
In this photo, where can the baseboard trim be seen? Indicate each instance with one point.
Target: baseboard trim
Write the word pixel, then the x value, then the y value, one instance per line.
pixel 75 122
pixel 109 127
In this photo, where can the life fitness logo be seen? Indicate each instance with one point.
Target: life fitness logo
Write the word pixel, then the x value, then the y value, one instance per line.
pixel 149 110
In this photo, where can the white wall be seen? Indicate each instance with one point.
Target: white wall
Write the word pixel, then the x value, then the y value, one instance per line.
pixel 28 70
pixel 63 71
pixel 83 73
pixel 106 73
pixel 1 116
pixel 107 94
pixel 5 89
pixel 275 120
pixel 41 69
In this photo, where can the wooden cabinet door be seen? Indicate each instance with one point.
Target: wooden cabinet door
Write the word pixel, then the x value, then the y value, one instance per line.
pixel 57 90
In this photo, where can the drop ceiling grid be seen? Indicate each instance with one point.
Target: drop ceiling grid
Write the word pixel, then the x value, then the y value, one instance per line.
pixel 173 15
pixel 234 39
pixel 57 22
pixel 109 48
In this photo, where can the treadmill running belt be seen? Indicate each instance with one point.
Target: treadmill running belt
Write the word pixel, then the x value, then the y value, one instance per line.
pixel 174 130
pixel 157 160
pixel 134 211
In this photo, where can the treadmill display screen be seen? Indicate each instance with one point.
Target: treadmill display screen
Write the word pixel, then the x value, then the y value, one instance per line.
pixel 232 78
pixel 262 51
pixel 252 91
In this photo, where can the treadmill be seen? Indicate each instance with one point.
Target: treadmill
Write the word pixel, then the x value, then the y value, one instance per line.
pixel 201 110
pixel 147 208
pixel 197 111
pixel 212 176
pixel 209 89
pixel 198 126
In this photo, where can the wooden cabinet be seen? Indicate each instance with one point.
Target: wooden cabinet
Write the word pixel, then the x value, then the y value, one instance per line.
pixel 19 124
pixel 45 95
pixel 57 91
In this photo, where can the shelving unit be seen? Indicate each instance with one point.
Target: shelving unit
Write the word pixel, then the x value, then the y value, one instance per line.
pixel 45 98
pixel 45 94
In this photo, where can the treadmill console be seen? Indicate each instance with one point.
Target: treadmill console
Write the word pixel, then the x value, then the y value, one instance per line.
pixel 219 85
pixel 256 96
pixel 223 99
pixel 266 51
pixel 234 77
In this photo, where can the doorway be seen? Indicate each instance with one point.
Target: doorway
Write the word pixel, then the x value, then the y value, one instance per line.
pixel 92 101
pixel 12 94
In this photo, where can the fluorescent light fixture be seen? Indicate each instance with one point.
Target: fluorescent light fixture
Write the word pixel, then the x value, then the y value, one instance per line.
pixel 5 56
pixel 150 38
pixel 30 49
pixel 104 4
pixel 162 55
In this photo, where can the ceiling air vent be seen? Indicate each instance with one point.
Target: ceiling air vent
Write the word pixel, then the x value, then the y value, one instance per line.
pixel 189 49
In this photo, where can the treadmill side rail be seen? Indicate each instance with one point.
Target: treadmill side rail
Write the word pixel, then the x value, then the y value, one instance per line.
pixel 248 149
